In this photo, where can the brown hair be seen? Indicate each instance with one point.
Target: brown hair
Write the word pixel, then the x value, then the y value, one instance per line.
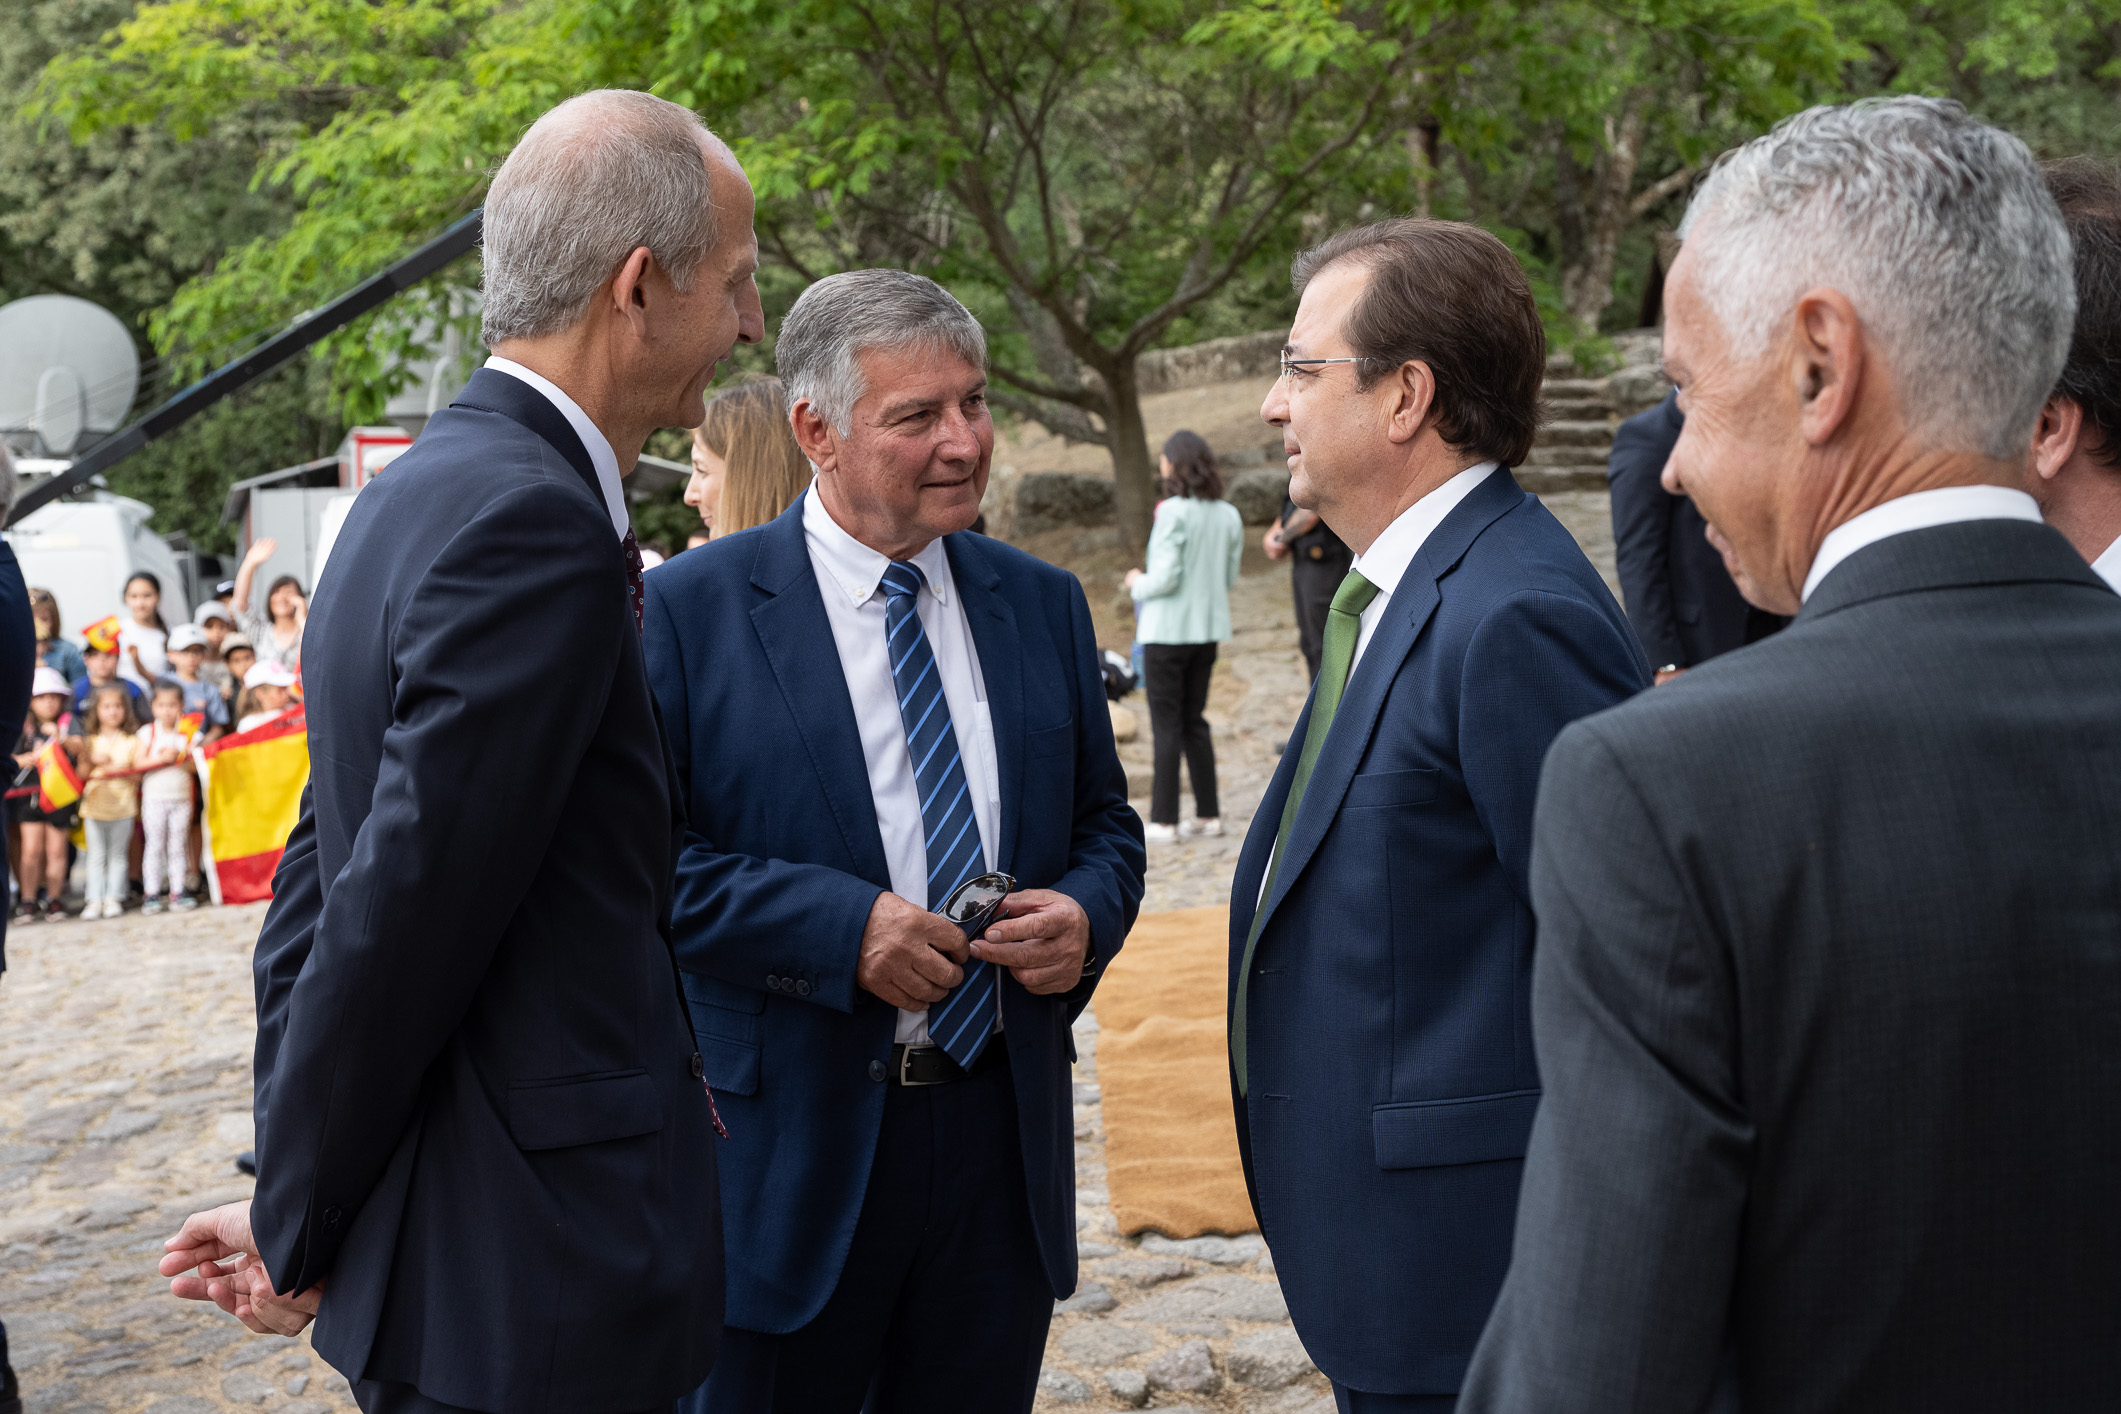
pixel 43 607
pixel 2089 192
pixel 1451 296
pixel 747 427
pixel 93 708
pixel 1193 469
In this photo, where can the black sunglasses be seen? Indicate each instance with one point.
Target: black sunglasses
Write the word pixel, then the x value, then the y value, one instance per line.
pixel 972 904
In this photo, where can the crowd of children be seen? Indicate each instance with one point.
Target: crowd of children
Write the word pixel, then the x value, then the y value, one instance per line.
pixel 125 703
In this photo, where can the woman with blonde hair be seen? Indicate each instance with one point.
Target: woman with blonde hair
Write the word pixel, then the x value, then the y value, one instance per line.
pixel 746 468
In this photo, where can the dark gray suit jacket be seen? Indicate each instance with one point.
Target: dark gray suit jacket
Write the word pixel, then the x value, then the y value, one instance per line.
pixel 1828 1006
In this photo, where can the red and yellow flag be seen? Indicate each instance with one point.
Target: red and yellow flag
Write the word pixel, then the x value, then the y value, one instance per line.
pixel 190 723
pixel 58 783
pixel 254 784
pixel 102 635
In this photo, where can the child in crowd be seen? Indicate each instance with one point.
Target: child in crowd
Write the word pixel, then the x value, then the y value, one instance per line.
pixel 266 693
pixel 187 663
pixel 238 657
pixel 216 624
pixel 142 653
pixel 100 671
pixel 111 801
pixel 165 798
pixel 44 837
pixel 53 649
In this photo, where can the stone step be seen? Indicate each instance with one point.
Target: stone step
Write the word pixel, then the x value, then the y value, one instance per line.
pixel 1577 433
pixel 1544 455
pixel 1575 388
pixel 1576 409
pixel 1548 480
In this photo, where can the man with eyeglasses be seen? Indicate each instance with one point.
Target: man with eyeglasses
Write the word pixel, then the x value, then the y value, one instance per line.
pixel 1381 924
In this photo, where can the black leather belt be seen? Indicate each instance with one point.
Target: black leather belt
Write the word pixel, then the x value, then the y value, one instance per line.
pixel 929 1065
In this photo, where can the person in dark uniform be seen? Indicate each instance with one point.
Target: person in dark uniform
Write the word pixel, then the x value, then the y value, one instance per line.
pixel 1679 596
pixel 18 659
pixel 1320 562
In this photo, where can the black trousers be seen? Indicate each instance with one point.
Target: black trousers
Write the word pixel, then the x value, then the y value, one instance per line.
pixel 1313 584
pixel 1354 1401
pixel 1177 686
pixel 388 1397
pixel 943 1303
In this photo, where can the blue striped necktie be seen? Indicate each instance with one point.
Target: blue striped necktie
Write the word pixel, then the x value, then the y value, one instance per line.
pixel 962 1021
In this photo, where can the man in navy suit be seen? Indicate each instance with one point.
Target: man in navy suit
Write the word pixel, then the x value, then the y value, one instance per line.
pixel 483 1144
pixel 1380 922
pixel 870 706
pixel 18 663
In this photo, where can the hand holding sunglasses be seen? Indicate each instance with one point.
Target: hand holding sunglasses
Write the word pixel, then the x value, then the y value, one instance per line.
pixel 1042 937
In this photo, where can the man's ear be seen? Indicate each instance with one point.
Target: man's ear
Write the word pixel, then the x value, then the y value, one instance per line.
pixel 629 290
pixel 1415 385
pixel 814 435
pixel 2056 437
pixel 1827 358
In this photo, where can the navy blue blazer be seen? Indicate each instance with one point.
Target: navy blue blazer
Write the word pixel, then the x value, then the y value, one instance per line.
pixel 478 1113
pixel 1391 1081
pixel 783 861
pixel 18 664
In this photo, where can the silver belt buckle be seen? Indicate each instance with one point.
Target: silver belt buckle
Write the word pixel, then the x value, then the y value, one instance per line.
pixel 905 1064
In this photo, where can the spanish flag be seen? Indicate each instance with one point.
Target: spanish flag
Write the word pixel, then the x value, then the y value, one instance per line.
pixel 58 783
pixel 102 635
pixel 254 784
pixel 189 724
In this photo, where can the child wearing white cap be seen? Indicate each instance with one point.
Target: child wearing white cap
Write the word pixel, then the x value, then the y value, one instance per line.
pixel 44 837
pixel 267 683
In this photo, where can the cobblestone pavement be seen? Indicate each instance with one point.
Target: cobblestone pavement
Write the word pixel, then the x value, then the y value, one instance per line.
pixel 125 1093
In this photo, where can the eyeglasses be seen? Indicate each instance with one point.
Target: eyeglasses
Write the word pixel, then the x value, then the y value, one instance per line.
pixel 1290 365
pixel 972 905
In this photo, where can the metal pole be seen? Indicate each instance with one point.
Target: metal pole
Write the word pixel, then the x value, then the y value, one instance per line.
pixel 242 372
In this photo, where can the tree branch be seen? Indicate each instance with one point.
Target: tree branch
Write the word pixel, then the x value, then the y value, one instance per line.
pixel 1660 189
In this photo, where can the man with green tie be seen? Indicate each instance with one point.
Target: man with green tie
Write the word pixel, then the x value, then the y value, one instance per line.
pixel 1381 925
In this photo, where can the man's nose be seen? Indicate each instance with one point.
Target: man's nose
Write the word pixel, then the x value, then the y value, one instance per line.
pixel 750 315
pixel 1670 479
pixel 1275 410
pixel 960 441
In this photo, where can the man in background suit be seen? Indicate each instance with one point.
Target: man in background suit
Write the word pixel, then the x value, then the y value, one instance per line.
pixel 18 664
pixel 1318 562
pixel 1680 598
pixel 2076 468
pixel 869 706
pixel 1828 992
pixel 1380 924
pixel 482 1137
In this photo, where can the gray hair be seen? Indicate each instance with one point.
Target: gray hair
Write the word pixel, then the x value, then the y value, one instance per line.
pixel 841 315
pixel 593 180
pixel 1938 229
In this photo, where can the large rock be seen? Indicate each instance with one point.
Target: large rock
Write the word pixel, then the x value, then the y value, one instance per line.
pixel 1269 1359
pixel 1129 1387
pixel 1190 1369
pixel 1257 493
pixel 1051 500
pixel 1102 1343
pixel 1223 1296
pixel 1062 1387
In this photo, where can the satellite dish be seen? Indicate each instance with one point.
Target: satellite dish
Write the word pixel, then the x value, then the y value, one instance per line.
pixel 68 372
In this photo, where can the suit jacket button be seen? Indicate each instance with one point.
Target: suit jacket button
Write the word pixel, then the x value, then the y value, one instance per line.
pixel 331 1217
pixel 876 1070
pixel 773 983
pixel 699 1067
pixel 802 989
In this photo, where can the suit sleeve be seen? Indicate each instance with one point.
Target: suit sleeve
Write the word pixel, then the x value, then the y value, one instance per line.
pixel 736 917
pixel 1642 534
pixel 1107 856
pixel 1537 662
pixel 504 656
pixel 1619 1286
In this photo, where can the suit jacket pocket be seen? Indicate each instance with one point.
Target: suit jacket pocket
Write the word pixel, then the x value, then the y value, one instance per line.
pixel 1372 789
pixel 583 1109
pixel 1050 741
pixel 1433 1133
pixel 732 1066
pixel 713 991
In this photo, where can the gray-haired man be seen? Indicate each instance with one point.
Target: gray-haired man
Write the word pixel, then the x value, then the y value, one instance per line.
pixel 872 708
pixel 482 1138
pixel 1828 992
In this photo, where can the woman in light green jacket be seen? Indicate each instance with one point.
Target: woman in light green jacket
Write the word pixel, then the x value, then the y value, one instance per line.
pixel 1181 612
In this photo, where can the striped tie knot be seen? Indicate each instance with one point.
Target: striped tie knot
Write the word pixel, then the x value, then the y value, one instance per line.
pixel 902 580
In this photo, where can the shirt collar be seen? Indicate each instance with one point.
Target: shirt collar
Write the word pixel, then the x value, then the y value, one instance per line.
pixel 854 567
pixel 601 457
pixel 1385 563
pixel 1919 510
pixel 2108 565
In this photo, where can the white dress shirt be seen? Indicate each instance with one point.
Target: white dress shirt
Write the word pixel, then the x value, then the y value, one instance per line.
pixel 1920 510
pixel 2108 566
pixel 849 574
pixel 601 456
pixel 1385 563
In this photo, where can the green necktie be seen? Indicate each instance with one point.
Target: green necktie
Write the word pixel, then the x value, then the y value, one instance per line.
pixel 1343 627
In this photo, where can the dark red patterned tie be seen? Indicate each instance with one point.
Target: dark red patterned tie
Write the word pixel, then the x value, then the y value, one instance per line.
pixel 633 577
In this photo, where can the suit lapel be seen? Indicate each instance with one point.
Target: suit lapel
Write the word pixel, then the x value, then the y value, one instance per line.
pixel 1001 657
pixel 1412 604
pixel 491 390
pixel 797 640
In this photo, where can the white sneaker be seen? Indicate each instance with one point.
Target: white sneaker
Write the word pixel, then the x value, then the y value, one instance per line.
pixel 1202 827
pixel 113 908
pixel 1160 834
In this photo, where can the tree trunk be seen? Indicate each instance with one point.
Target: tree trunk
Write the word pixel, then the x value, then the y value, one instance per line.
pixel 1133 464
pixel 1421 152
pixel 1587 286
